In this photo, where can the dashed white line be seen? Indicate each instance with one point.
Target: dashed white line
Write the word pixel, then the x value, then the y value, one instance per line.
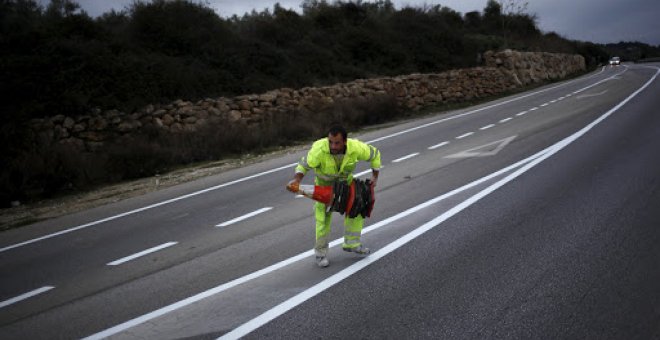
pixel 487 127
pixel 561 98
pixel 505 120
pixel 25 296
pixel 142 253
pixel 437 145
pixel 405 157
pixel 521 113
pixel 545 104
pixel 465 135
pixel 553 101
pixel 246 216
pixel 534 109
pixel 362 173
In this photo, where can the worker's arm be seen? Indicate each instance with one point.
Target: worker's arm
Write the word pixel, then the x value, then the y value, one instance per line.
pixel 369 153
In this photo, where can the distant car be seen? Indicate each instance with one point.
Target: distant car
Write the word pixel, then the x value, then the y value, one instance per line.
pixel 615 61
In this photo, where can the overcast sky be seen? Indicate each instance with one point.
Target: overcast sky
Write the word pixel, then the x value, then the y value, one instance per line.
pixel 600 21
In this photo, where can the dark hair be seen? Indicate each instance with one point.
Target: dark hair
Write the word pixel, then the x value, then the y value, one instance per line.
pixel 337 128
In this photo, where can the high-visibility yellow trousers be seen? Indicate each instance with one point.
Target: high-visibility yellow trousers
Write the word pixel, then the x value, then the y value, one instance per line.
pixel 352 230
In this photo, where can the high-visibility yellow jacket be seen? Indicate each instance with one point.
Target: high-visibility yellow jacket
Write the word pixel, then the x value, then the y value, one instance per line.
pixel 326 169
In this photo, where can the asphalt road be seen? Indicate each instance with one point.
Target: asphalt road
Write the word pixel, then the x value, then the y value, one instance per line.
pixel 528 217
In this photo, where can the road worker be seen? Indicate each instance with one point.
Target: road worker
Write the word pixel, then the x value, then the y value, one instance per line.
pixel 334 159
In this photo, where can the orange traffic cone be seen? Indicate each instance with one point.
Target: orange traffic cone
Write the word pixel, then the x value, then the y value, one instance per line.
pixel 318 193
pixel 355 199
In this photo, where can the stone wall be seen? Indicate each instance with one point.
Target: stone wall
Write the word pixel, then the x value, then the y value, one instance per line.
pixel 503 71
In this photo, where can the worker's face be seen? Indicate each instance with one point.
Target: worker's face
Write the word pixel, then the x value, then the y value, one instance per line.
pixel 337 143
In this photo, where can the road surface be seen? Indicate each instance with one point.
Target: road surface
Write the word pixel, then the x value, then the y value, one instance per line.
pixel 532 216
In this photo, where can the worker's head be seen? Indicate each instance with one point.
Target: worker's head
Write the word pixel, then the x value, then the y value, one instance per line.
pixel 337 138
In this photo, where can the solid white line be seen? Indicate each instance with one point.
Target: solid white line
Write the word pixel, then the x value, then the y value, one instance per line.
pixel 246 216
pixel 521 113
pixel 25 296
pixel 505 120
pixel 487 127
pixel 465 135
pixel 307 294
pixel 66 231
pixel 223 287
pixel 405 157
pixel 534 109
pixel 142 253
pixel 433 147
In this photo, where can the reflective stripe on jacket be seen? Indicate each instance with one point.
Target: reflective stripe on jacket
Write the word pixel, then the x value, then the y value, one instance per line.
pixel 320 159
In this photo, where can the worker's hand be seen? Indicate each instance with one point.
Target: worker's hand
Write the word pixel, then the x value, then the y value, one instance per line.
pixel 293 185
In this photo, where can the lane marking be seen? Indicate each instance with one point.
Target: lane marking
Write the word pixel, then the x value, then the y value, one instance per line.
pixel 486 127
pixel 592 94
pixel 246 216
pixel 561 98
pixel 521 113
pixel 545 104
pixel 485 150
pixel 142 253
pixel 405 157
pixel 433 147
pixel 25 296
pixel 304 255
pixel 534 109
pixel 505 120
pixel 553 101
pixel 465 135
pixel 307 294
pixel 155 205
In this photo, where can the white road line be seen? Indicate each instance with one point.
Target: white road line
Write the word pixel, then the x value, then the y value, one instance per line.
pixel 300 196
pixel 545 104
pixel 534 109
pixel 505 120
pixel 223 287
pixel 437 145
pixel 142 253
pixel 362 173
pixel 307 294
pixel 131 212
pixel 561 98
pixel 25 296
pixel 487 127
pixel 465 135
pixel 246 216
pixel 405 157
pixel 521 113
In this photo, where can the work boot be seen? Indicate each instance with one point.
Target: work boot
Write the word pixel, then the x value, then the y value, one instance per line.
pixel 322 261
pixel 360 250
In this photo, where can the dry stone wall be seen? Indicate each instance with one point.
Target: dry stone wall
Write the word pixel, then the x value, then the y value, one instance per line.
pixel 503 71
